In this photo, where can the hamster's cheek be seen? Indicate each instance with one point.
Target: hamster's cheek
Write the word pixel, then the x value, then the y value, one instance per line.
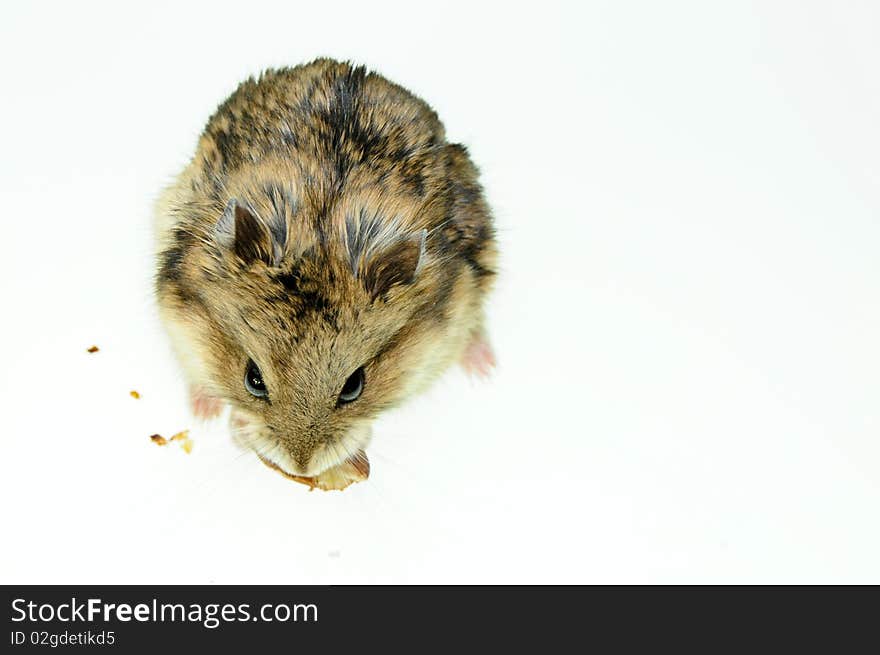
pixel 247 431
pixel 352 443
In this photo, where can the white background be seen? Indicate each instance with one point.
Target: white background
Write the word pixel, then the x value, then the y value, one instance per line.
pixel 687 319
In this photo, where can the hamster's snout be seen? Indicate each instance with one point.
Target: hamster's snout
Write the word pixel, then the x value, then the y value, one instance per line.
pixel 302 458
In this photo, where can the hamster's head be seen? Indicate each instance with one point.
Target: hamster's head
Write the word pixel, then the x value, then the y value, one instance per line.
pixel 310 325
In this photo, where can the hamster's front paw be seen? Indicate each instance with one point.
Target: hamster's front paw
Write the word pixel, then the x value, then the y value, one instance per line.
pixel 478 359
pixel 203 405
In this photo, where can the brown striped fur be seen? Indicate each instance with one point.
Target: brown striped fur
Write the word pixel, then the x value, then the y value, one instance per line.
pixel 357 236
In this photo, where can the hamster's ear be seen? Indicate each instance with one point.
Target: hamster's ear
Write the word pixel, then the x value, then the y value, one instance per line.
pixel 241 231
pixel 398 263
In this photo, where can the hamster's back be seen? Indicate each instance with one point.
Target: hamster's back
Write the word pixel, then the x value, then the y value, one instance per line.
pixel 336 115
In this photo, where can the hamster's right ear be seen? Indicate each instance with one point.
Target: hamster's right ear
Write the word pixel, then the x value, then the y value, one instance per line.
pixel 241 231
pixel 397 263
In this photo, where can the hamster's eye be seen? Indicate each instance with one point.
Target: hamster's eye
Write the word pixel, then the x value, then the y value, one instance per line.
pixel 253 381
pixel 353 387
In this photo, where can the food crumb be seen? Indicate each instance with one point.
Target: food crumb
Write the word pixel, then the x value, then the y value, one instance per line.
pixel 185 442
pixel 93 349
pixel 134 394
pixel 183 437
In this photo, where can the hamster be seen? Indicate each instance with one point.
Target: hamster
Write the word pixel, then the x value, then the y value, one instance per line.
pixel 325 255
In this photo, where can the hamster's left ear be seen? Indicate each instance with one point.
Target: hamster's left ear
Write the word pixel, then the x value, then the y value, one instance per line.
pixel 392 263
pixel 242 231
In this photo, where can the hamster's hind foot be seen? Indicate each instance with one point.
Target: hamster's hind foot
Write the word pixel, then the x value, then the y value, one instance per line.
pixel 478 359
pixel 204 406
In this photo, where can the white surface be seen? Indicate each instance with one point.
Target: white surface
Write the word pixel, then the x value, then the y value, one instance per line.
pixel 687 321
